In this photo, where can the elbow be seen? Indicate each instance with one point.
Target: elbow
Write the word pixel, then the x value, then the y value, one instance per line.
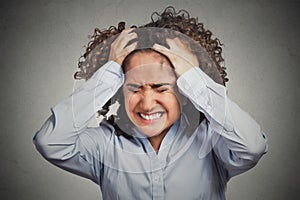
pixel 54 142
pixel 258 147
pixel 43 139
pixel 42 145
pixel 51 148
pixel 53 151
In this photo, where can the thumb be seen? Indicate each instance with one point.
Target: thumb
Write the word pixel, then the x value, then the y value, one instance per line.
pixel 162 49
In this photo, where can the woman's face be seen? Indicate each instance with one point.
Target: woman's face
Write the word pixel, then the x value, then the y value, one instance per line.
pixel 150 94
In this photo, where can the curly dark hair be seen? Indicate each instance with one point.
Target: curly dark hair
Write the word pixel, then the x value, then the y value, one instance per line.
pixel 169 19
pixel 207 48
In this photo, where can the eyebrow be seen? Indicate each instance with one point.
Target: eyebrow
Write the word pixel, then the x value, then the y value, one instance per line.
pixel 153 86
pixel 133 85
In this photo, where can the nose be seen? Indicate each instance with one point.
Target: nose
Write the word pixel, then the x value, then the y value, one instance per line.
pixel 148 100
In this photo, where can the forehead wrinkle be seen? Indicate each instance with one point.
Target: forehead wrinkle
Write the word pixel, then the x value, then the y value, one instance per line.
pixel 140 57
pixel 152 74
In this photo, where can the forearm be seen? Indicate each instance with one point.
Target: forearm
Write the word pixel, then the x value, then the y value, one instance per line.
pixel 59 135
pixel 241 140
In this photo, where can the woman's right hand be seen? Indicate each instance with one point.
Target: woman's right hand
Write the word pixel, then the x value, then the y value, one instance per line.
pixel 119 49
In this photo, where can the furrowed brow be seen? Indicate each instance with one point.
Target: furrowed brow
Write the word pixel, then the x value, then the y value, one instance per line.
pixel 155 86
pixel 134 85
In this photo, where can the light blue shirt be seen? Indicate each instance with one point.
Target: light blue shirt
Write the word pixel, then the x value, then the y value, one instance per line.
pixel 189 165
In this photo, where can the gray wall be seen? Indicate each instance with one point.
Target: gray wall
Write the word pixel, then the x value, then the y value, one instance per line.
pixel 42 40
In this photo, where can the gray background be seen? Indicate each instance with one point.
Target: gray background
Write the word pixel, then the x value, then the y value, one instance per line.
pixel 41 42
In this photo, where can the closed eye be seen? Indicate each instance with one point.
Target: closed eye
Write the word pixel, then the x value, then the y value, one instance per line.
pixel 161 87
pixel 133 87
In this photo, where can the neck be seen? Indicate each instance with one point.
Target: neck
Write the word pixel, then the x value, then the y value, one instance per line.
pixel 155 141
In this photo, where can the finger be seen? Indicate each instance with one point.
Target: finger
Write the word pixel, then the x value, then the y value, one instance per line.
pixel 121 56
pixel 124 36
pixel 125 39
pixel 174 48
pixel 160 48
pixel 127 30
pixel 168 52
pixel 175 44
pixel 131 47
pixel 132 35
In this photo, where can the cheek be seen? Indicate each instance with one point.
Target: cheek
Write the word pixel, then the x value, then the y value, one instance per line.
pixel 130 102
pixel 170 102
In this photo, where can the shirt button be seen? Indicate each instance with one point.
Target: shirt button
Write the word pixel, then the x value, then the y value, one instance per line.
pixel 156 178
pixel 208 107
pixel 186 86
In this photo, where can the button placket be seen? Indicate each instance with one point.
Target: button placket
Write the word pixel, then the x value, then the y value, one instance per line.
pixel 157 178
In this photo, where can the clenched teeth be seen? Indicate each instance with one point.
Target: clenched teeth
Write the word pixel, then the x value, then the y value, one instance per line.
pixel 151 117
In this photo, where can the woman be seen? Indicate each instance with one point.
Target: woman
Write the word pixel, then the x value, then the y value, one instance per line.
pixel 176 135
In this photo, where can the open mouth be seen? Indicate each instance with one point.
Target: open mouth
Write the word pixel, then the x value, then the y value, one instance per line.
pixel 151 117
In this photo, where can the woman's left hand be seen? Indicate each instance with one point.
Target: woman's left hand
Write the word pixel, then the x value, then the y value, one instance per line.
pixel 180 55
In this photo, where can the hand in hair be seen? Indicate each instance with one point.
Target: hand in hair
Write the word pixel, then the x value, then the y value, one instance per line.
pixel 120 48
pixel 180 55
